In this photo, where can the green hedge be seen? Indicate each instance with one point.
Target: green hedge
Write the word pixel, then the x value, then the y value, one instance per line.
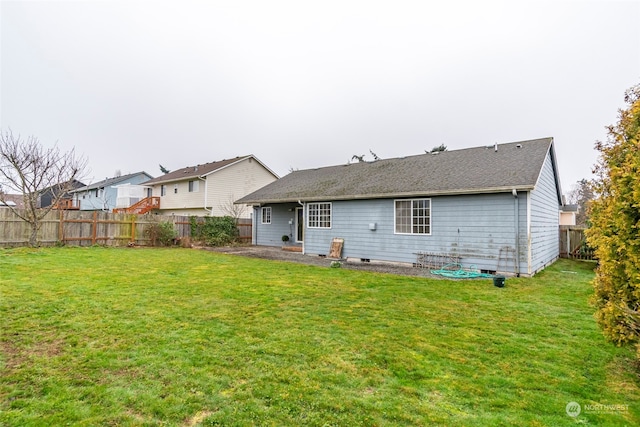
pixel 214 231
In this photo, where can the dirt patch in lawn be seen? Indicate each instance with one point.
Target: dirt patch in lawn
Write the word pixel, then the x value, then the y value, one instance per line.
pixel 277 253
pixel 13 357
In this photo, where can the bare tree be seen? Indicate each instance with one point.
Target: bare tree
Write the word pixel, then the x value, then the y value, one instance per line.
pixel 228 208
pixel 104 200
pixel 27 168
pixel 581 194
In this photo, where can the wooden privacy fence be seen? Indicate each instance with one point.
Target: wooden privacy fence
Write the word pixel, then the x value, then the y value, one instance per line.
pixel 573 243
pixel 86 228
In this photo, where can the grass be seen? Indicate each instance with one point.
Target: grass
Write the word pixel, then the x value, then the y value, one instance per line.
pixel 177 337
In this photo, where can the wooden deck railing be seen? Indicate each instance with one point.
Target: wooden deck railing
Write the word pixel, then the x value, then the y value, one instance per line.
pixel 142 207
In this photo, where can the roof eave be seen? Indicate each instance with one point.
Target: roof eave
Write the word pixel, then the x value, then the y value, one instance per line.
pixel 241 159
pixel 182 178
pixel 505 189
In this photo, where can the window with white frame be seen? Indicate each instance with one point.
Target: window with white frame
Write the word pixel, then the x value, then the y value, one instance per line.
pixel 266 215
pixel 194 186
pixel 413 216
pixel 163 190
pixel 319 215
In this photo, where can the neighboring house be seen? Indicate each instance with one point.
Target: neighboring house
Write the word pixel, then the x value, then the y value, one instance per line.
pixel 102 196
pixel 48 195
pixel 12 200
pixel 210 189
pixel 129 194
pixel 568 214
pixel 495 208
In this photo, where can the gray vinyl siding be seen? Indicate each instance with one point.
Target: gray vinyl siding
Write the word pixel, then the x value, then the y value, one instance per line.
pixel 474 226
pixel 544 218
pixel 271 234
pixel 109 195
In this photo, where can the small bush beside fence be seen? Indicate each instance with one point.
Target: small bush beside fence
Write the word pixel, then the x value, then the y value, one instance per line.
pixel 214 231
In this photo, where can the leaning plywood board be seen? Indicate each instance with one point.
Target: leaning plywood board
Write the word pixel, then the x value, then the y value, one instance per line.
pixel 336 248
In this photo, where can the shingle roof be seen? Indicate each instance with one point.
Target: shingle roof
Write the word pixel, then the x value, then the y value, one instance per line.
pixel 570 208
pixel 108 182
pixel 472 170
pixel 195 171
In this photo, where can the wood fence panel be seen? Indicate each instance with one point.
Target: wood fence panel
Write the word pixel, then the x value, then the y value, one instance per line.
pixel 245 229
pixel 182 225
pixel 86 228
pixel 573 243
pixel 14 230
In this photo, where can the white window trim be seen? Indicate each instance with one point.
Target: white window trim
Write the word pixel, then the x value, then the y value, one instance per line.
pixel 308 215
pixel 413 234
pixel 262 212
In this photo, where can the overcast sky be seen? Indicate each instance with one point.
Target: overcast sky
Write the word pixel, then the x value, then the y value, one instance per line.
pixel 134 84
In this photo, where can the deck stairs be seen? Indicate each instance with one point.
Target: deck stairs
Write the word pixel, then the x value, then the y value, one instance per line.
pixel 142 207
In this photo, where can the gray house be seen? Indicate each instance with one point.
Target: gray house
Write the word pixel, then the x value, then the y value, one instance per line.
pixel 493 207
pixel 102 195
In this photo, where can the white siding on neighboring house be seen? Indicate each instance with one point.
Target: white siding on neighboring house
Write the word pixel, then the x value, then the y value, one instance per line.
pixel 567 218
pixel 214 193
pixel 228 184
pixel 178 196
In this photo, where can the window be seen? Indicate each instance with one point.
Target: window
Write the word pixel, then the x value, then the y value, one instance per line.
pixel 194 186
pixel 413 216
pixel 319 215
pixel 163 190
pixel 266 215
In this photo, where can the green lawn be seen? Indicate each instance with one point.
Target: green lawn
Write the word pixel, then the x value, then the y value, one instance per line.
pixel 179 337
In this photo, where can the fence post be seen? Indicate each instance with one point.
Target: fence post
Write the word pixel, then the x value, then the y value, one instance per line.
pixel 133 228
pixel 94 231
pixel 61 227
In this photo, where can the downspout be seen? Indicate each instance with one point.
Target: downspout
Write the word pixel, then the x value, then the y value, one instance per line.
pixel 517 225
pixel 254 225
pixel 206 192
pixel 529 250
pixel 304 215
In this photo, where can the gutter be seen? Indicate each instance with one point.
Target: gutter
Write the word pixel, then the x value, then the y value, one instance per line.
pixel 331 198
